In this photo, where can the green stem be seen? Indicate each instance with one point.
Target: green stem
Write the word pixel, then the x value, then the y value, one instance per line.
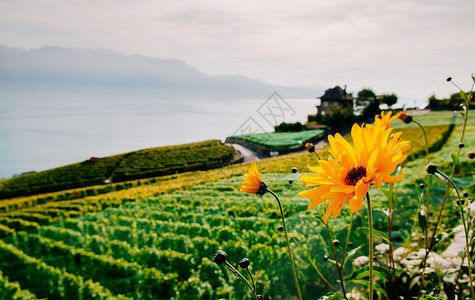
pixel 288 245
pixel 425 138
pixel 252 279
pixel 468 252
pixel 467 244
pixel 313 264
pixel 428 185
pixel 347 241
pixel 237 273
pixel 370 225
pixel 426 232
pixel 317 154
pixel 336 261
pixel 418 209
pixel 390 228
pixel 429 244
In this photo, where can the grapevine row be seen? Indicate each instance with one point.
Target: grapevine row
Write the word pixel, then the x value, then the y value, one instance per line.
pixel 53 281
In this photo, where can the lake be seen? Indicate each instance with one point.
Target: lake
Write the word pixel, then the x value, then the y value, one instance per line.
pixel 43 130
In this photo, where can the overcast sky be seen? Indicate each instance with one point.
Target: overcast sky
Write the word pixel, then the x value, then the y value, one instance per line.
pixel 406 47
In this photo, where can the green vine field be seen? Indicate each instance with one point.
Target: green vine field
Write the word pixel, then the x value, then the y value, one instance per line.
pixel 155 238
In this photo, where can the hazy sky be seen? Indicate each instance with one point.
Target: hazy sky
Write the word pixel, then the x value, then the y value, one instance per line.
pixel 406 47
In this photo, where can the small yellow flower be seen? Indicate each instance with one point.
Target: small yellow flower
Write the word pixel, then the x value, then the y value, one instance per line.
pixel 348 174
pixel 386 120
pixel 253 183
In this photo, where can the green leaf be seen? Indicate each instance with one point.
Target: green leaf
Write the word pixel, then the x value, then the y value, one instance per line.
pixel 376 233
pixel 266 289
pixel 332 296
pixel 404 234
pixel 464 96
pixel 356 274
pixel 385 192
pixel 363 273
pixel 421 215
pixel 455 159
pixel 375 286
pixel 311 217
pixel 383 210
pixel 429 297
pixel 334 262
pixel 441 237
pixel 353 252
pixel 415 280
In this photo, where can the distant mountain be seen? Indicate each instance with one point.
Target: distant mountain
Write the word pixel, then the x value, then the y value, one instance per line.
pixel 60 69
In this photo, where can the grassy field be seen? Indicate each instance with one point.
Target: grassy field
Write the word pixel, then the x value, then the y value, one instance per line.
pixel 280 140
pixel 156 238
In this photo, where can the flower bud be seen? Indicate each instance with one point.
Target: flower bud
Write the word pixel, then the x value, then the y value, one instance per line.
pixel 431 168
pixel 280 228
pixel 422 186
pixel 461 145
pixel 449 79
pixel 470 155
pixel 291 181
pixel 220 257
pixel 404 117
pixel 310 147
pixel 262 189
pixel 294 170
pixel 244 263
pixel 336 243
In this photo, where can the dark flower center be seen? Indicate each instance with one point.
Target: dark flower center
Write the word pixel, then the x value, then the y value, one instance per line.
pixel 354 175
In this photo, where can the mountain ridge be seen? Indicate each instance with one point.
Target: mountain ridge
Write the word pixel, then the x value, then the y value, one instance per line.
pixel 61 68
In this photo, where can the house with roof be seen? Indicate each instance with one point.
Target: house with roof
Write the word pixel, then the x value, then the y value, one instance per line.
pixel 335 97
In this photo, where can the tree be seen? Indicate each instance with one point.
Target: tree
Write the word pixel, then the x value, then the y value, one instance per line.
pixel 453 102
pixel 289 127
pixel 368 98
pixel 365 96
pixel 434 103
pixel 389 99
pixel 337 117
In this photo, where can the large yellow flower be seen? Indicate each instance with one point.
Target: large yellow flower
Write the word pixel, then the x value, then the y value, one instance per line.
pixel 349 172
pixel 253 183
pixel 386 119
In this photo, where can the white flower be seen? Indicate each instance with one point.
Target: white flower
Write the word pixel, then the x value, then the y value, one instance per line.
pixel 383 248
pixel 400 253
pixel 353 295
pixel 437 262
pixel 360 261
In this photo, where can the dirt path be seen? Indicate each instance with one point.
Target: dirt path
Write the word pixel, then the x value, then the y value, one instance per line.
pixel 249 156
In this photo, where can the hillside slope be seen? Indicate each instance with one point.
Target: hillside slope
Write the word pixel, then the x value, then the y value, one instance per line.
pixel 137 164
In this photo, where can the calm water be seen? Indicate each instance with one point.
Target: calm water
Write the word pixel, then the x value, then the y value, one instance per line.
pixel 43 130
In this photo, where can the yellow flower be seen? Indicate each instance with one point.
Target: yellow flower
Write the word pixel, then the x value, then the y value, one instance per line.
pixel 253 183
pixel 347 175
pixel 385 120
